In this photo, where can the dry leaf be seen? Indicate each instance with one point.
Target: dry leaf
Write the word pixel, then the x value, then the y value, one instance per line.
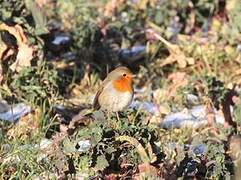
pixel 209 111
pixel 235 147
pixel 142 4
pixel 111 7
pixel 176 54
pixel 3 49
pixel 234 152
pixel 178 79
pixel 140 149
pixel 42 3
pixel 25 51
pixel 26 126
pixel 146 171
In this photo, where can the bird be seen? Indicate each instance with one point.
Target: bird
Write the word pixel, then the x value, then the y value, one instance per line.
pixel 116 91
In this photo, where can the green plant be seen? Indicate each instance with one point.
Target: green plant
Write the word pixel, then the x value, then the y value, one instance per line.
pixel 237 111
pixel 106 140
pixel 215 90
pixel 34 84
pixel 215 153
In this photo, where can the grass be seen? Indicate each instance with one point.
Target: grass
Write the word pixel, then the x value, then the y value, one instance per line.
pixel 71 143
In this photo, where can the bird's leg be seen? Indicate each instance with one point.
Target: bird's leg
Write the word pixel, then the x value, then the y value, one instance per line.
pixel 109 121
pixel 108 115
pixel 117 115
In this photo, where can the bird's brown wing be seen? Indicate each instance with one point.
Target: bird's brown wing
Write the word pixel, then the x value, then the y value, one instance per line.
pixel 96 104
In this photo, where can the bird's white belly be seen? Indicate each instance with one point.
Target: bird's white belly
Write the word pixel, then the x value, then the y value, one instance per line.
pixel 112 100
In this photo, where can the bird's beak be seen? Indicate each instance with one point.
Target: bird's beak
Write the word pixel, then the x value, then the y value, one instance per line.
pixel 133 75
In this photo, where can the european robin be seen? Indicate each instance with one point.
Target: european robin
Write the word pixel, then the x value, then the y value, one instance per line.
pixel 116 92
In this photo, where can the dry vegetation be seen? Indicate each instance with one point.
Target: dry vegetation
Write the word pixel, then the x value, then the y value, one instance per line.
pixel 187 58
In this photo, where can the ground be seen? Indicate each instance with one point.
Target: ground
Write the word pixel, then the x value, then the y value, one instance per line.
pixel 184 121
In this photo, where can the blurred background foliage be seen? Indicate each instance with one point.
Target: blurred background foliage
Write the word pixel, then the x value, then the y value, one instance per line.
pixel 176 48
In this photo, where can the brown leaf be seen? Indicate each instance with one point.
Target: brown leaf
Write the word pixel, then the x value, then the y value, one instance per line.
pixel 146 171
pixel 25 51
pixel 111 7
pixel 176 54
pixel 209 111
pixel 142 4
pixel 235 153
pixel 178 79
pixel 235 147
pixel 79 119
pixel 111 177
pixel 26 126
pixel 140 149
pixel 3 49
pixel 42 3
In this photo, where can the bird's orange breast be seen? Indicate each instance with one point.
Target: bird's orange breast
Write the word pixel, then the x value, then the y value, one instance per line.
pixel 123 85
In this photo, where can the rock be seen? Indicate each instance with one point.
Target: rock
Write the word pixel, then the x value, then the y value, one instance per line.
pixel 194 118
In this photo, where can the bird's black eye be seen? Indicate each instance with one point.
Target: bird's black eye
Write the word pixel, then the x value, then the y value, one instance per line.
pixel 124 75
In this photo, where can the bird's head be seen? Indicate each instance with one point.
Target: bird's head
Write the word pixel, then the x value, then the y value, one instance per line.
pixel 121 78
